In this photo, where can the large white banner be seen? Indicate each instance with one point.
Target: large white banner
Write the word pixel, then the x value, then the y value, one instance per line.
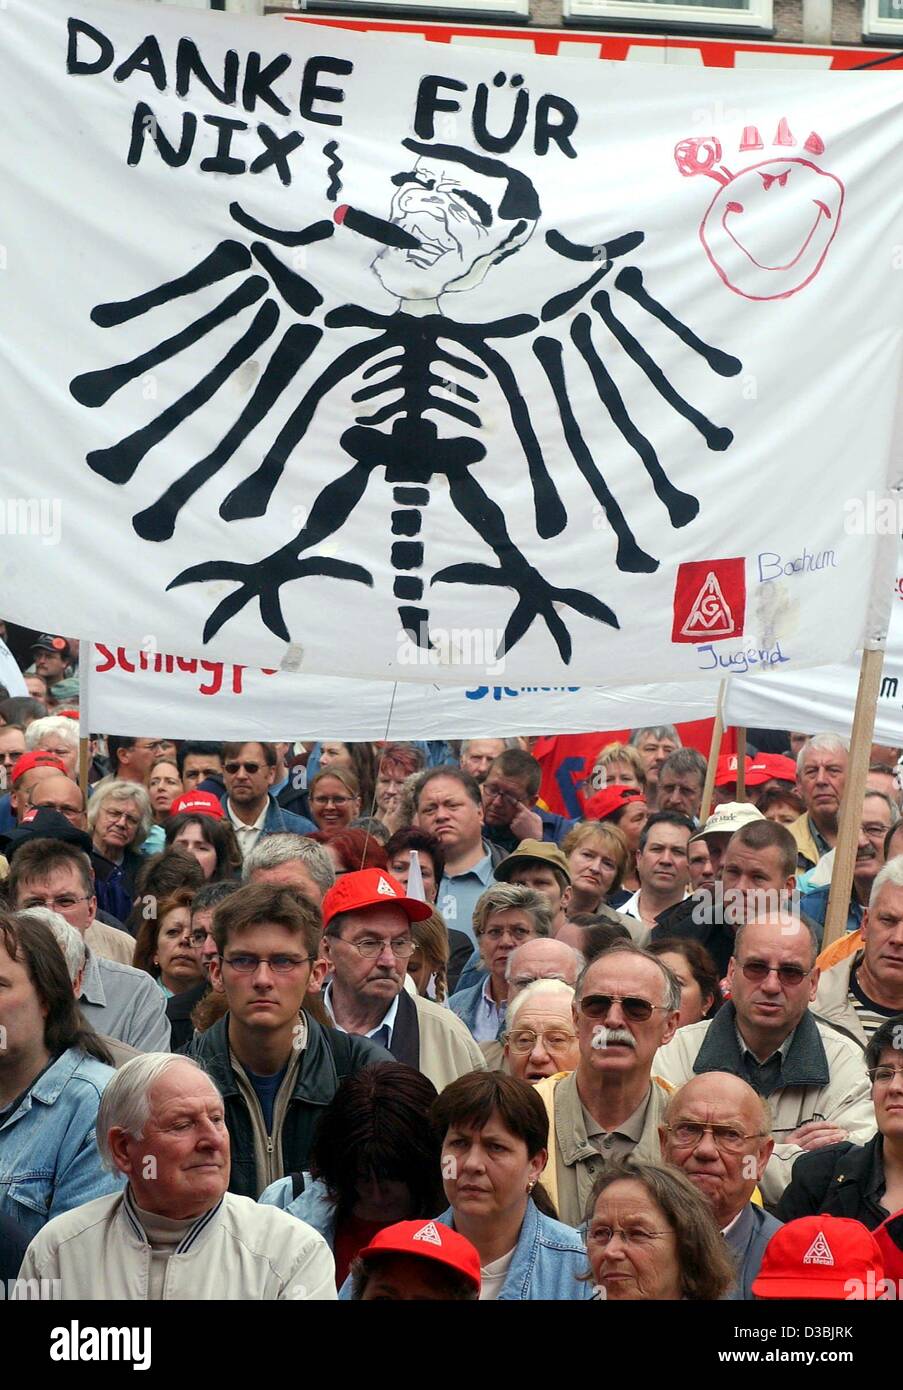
pixel 355 357
pixel 136 693
pixel 10 675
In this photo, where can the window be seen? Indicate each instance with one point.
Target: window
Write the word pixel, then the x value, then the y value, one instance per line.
pixel 443 9
pixel 883 18
pixel 748 15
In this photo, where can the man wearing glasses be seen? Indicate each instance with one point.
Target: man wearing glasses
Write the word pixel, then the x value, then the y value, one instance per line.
pixel 367 944
pixel 274 1065
pixel 117 1000
pixel 627 1005
pixel 250 771
pixel 811 1075
pixel 510 813
pixel 718 1130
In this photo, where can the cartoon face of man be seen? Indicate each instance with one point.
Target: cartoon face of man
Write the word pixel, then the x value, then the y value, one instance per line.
pixel 465 221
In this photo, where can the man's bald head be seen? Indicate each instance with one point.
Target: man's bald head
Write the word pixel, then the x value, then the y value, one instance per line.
pixel 57 792
pixel 718 1131
pixel 545 958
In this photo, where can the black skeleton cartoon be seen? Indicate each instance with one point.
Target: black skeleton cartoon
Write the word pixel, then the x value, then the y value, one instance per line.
pixel 454 215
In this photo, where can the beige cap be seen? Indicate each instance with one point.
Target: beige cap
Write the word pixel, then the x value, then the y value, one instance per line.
pixel 537 851
pixel 725 819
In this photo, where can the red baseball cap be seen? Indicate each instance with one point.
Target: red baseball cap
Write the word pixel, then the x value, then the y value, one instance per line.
pixel 820 1257
pixel 199 803
pixel 39 758
pixel 777 765
pixel 604 803
pixel 371 888
pixel 430 1240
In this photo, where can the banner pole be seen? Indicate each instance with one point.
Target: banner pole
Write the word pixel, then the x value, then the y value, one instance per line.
pixel 85 649
pixel 741 764
pixel 714 750
pixel 851 806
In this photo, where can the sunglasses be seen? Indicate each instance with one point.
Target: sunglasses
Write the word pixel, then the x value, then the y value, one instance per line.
pixel 232 768
pixel 789 975
pixel 598 1006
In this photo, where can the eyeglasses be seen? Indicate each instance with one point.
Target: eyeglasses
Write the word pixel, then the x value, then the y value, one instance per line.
pixel 70 812
pixel 493 792
pixel 280 965
pixel 114 816
pixel 688 1134
pixel 330 800
pixel 232 768
pixel 61 904
pixel 598 1006
pixel 604 1235
pixel 789 975
pixel 518 933
pixel 198 937
pixel 884 1075
pixel 370 948
pixel 524 1040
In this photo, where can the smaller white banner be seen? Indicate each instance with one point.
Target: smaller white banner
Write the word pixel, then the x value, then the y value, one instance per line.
pixel 10 675
pixel 138 694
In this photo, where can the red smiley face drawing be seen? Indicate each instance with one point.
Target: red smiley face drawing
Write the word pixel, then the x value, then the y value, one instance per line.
pixel 768 228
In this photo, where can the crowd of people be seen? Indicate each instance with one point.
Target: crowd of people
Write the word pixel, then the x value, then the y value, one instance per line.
pixel 359 1021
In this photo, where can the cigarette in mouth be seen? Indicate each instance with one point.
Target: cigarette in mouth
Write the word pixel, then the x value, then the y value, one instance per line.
pixel 375 228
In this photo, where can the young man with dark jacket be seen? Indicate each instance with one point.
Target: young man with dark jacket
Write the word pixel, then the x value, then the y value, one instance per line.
pixel 275 1066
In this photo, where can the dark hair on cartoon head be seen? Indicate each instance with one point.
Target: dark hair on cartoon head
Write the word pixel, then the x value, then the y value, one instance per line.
pixel 520 200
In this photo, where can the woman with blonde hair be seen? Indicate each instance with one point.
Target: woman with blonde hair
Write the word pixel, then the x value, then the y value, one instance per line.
pixel 598 857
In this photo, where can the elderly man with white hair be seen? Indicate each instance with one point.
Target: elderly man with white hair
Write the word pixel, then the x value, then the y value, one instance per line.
pixel 821 771
pixel 55 734
pixel 175 1232
pixel 864 988
pixel 541 959
pixel 541 1039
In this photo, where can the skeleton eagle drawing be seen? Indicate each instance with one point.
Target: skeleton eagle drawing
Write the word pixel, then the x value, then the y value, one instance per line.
pixel 453 215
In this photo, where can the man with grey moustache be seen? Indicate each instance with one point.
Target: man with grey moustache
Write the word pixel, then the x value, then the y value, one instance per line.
pixel 627 1005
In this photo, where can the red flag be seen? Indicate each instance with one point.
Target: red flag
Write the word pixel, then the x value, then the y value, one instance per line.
pixel 567 759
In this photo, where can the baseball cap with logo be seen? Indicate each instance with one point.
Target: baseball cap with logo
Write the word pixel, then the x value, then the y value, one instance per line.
pixel 365 888
pixel 755 771
pixel 42 823
pixel 820 1257
pixel 725 819
pixel 431 1241
pixel 47 643
pixel 531 851
pixel 38 758
pixel 609 800
pixel 198 804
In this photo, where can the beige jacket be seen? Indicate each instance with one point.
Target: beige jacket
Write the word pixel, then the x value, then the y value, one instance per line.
pixel 110 942
pixel 833 1002
pixel 239 1251
pixel 447 1049
pixel 844 1099
pixel 574 1164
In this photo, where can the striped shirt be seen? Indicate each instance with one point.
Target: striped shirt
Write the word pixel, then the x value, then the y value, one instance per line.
pixel 870 1015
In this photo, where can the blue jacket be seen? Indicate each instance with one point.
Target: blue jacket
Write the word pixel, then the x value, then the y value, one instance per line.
pixel 466 1002
pixel 278 820
pixel 548 1260
pixel 48 1149
pixel 815 905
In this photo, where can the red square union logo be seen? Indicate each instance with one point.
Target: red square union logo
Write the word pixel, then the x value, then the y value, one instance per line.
pixel 709 600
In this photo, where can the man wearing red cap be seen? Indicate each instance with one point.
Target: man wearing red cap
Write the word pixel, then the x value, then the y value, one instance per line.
pixel 821 1257
pixel 367 942
pixel 416 1261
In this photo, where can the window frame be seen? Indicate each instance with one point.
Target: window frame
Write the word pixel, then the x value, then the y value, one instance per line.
pixel 876 27
pixel 757 19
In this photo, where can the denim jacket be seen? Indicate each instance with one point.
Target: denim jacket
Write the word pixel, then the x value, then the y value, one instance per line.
pixel 49 1161
pixel 313 1204
pixel 548 1259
